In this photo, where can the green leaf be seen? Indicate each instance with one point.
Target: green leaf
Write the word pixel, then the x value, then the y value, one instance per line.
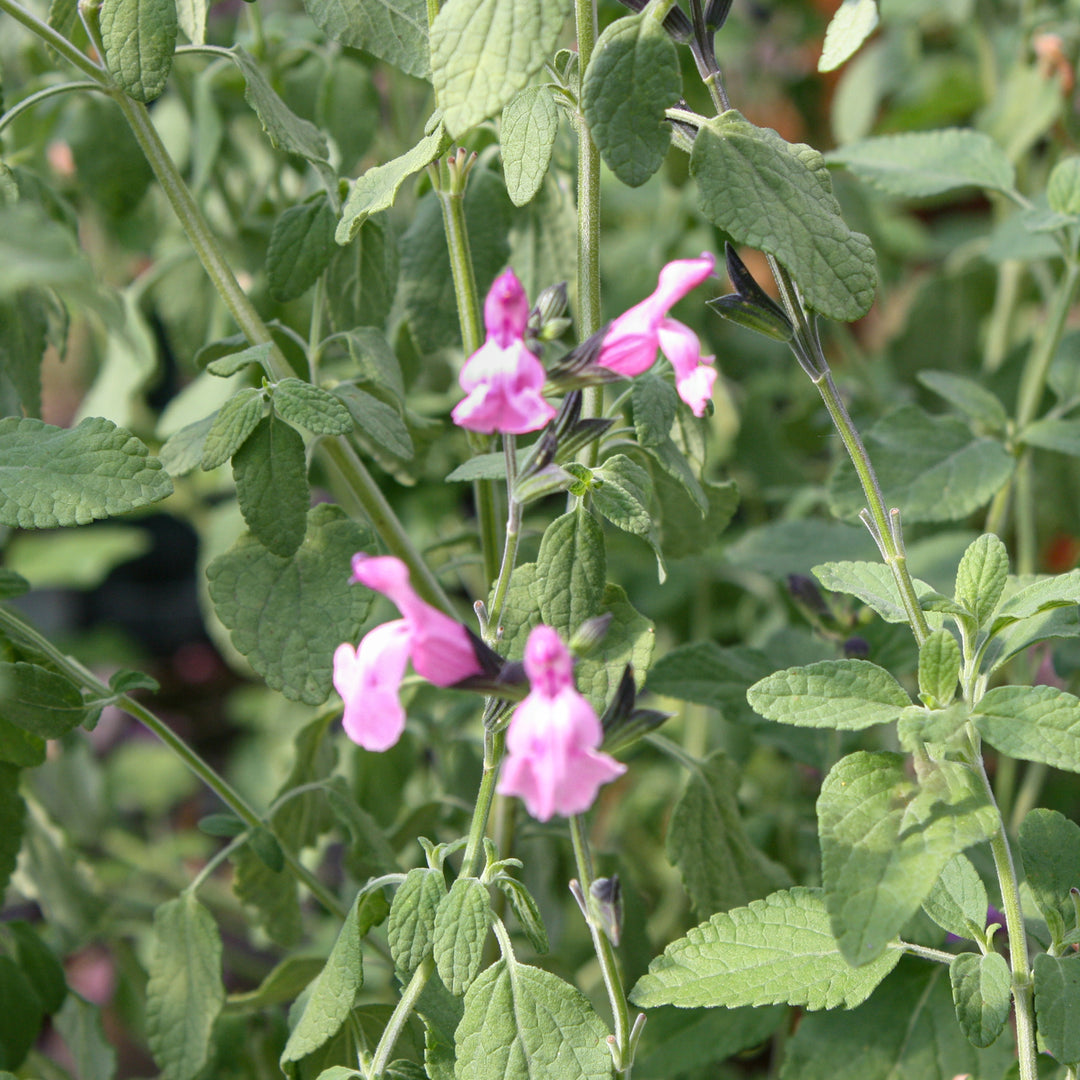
pixel 288 615
pixel 1049 845
pixel 916 164
pixel 526 910
pixel 274 897
pixel 285 129
pixel 1035 594
pixel 720 866
pixel 957 902
pixel 945 728
pixel 184 994
pixel 23 340
pixel 484 51
pixel 182 452
pixel 572 569
pixel 683 531
pixel 310 407
pixel 12 584
pixel 377 421
pixel 1061 436
pixel 53 476
pixel 980 577
pixel 1057 1005
pixel 655 403
pixel 1063 186
pixel 873 584
pixel 530 123
pixel 270 470
pixel 39 964
pixel 777 196
pixel 12 816
pixel 521 1023
pixel 301 246
pixel 138 37
pixel 968 396
pixel 411 929
pixel 377 189
pixel 486 467
pixel 20 1014
pixel 1035 723
pixel 708 674
pixel 848 695
pixel 79 1024
pixel 392 30
pixel 630 639
pixel 461 928
pixel 191 14
pixel 885 840
pixel 266 847
pixel 981 986
pixel 20 747
pixel 904 1032
pixel 939 668
pixel 369 853
pixel 932 467
pixel 853 23
pixel 1010 637
pixel 375 358
pixel 775 950
pixel 622 491
pixel 283 985
pixel 632 78
pixel 40 701
pixel 232 427
pixel 333 993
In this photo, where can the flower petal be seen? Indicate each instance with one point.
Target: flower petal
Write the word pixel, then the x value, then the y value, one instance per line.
pixel 368 680
pixel 504 391
pixel 506 309
pixel 680 277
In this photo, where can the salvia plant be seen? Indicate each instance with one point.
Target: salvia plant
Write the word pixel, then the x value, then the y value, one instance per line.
pixel 560 624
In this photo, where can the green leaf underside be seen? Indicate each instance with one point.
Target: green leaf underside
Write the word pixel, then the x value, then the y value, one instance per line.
pixel 1035 723
pixel 853 23
pixel 530 123
pixel 957 902
pixel 773 951
pixel 844 694
pixel 52 476
pixel 288 615
pixel 933 468
pixel 461 928
pixel 785 207
pixel 185 992
pixel 981 986
pixel 632 78
pixel 138 37
pixel 921 163
pixel 720 866
pixel 484 51
pixel 1049 845
pixel 522 1023
pixel 1057 1005
pixel 885 840
pixel 981 576
pixel 392 30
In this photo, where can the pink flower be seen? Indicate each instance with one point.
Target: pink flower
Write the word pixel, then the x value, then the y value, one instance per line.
pixel 634 338
pixel 368 678
pixel 503 379
pixel 553 762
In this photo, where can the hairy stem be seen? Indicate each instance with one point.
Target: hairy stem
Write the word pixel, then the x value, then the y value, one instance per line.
pixel 493 752
pixel 400 1017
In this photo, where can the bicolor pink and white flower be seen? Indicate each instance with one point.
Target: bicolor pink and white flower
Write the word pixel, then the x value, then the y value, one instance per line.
pixel 368 678
pixel 503 379
pixel 553 760
pixel 634 339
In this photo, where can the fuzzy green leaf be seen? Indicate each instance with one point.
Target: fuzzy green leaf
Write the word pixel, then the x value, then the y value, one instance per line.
pixel 274 897
pixel 844 694
pixel 230 363
pixel 572 569
pixel 980 577
pixel 933 468
pixel 530 123
pixel 1036 723
pixel 270 470
pixel 312 408
pixel 23 340
pixel 411 929
pixel 461 928
pixel 632 78
pixel 853 23
pixel 777 196
pixel 957 902
pixel 20 747
pixel 981 986
pixel 1050 849
pixel 484 51
pixel 720 866
pixel 1052 433
pixel 521 1023
pixel 184 994
pixel 885 840
pixel 775 950
pixel 288 615
pixel 138 37
pixel 392 30
pixel 622 492
pixel 1057 1005
pixel 967 395
pixel 939 668
pixel 53 476
pixel 708 674
pixel 232 426
pixel 301 247
pixel 40 701
pixel 920 163
pixel 527 911
pixel 1063 186
pixel 377 421
pixel 629 639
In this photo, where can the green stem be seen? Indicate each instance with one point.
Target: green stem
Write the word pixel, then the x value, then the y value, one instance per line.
pixel 588 209
pixel 513 537
pixel 56 40
pixel 939 956
pixel 605 952
pixel 43 95
pixel 17 627
pixel 493 751
pixel 400 1017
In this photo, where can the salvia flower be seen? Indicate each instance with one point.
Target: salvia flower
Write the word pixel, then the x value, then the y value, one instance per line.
pixel 503 380
pixel 633 340
pixel 368 678
pixel 553 761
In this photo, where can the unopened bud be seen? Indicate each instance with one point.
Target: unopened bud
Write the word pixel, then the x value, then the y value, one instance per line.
pixel 589 634
pixel 605 896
